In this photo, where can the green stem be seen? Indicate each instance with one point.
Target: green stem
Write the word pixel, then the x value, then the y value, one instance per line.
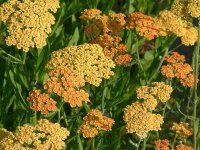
pixel 159 66
pixel 138 145
pixel 196 69
pixel 139 62
pixel 144 144
pixel 174 141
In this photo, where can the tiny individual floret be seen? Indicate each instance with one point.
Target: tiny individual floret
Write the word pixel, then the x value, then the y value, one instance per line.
pixel 94 122
pixel 41 102
pixel 182 129
pixel 162 144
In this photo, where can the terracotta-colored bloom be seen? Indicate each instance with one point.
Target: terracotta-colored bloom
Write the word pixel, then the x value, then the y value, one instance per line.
pixel 89 14
pixel 41 102
pixel 145 25
pixel 162 144
pixel 91 30
pixel 177 68
pixel 184 147
pixel 175 57
pixel 182 129
pixel 94 122
pixel 44 135
pixel 123 59
pixel 67 84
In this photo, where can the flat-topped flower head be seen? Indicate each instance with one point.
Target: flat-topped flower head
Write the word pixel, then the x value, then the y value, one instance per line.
pixel 182 129
pixel 140 121
pixel 41 102
pixel 87 60
pixel 184 147
pixel 28 22
pixel 162 144
pixel 145 25
pixel 89 14
pixel 94 122
pixel 67 84
pixel 44 135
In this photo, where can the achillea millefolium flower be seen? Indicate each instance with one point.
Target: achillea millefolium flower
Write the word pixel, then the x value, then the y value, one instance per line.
pixel 41 102
pixel 177 68
pixel 28 22
pixel 87 60
pixel 106 30
pixel 182 129
pixel 94 122
pixel 162 144
pixel 43 136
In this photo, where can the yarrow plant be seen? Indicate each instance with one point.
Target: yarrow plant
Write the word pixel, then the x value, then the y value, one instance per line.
pixel 76 77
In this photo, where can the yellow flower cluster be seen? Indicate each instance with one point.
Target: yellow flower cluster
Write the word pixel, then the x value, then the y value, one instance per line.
pixel 182 129
pixel 41 102
pixel 145 25
pixel 159 90
pixel 177 68
pixel 67 84
pixel 87 60
pixel 162 144
pixel 179 8
pixel 106 30
pixel 28 22
pixel 44 135
pixel 170 23
pixel 94 122
pixel 140 121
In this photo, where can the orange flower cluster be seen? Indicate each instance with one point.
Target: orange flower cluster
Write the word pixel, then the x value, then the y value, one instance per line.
pixel 89 14
pixel 41 102
pixel 67 84
pixel 177 68
pixel 94 122
pixel 182 129
pixel 183 147
pixel 145 25
pixel 162 144
pixel 105 30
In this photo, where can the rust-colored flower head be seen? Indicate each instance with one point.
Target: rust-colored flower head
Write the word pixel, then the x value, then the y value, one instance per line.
pixel 162 144
pixel 145 25
pixel 184 147
pixel 89 14
pixel 94 122
pixel 28 22
pixel 41 102
pixel 182 129
pixel 67 84
pixel 177 68
pixel 123 59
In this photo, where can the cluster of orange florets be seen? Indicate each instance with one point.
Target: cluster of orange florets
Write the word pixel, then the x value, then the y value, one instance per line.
pixel 106 31
pixel 94 122
pixel 177 68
